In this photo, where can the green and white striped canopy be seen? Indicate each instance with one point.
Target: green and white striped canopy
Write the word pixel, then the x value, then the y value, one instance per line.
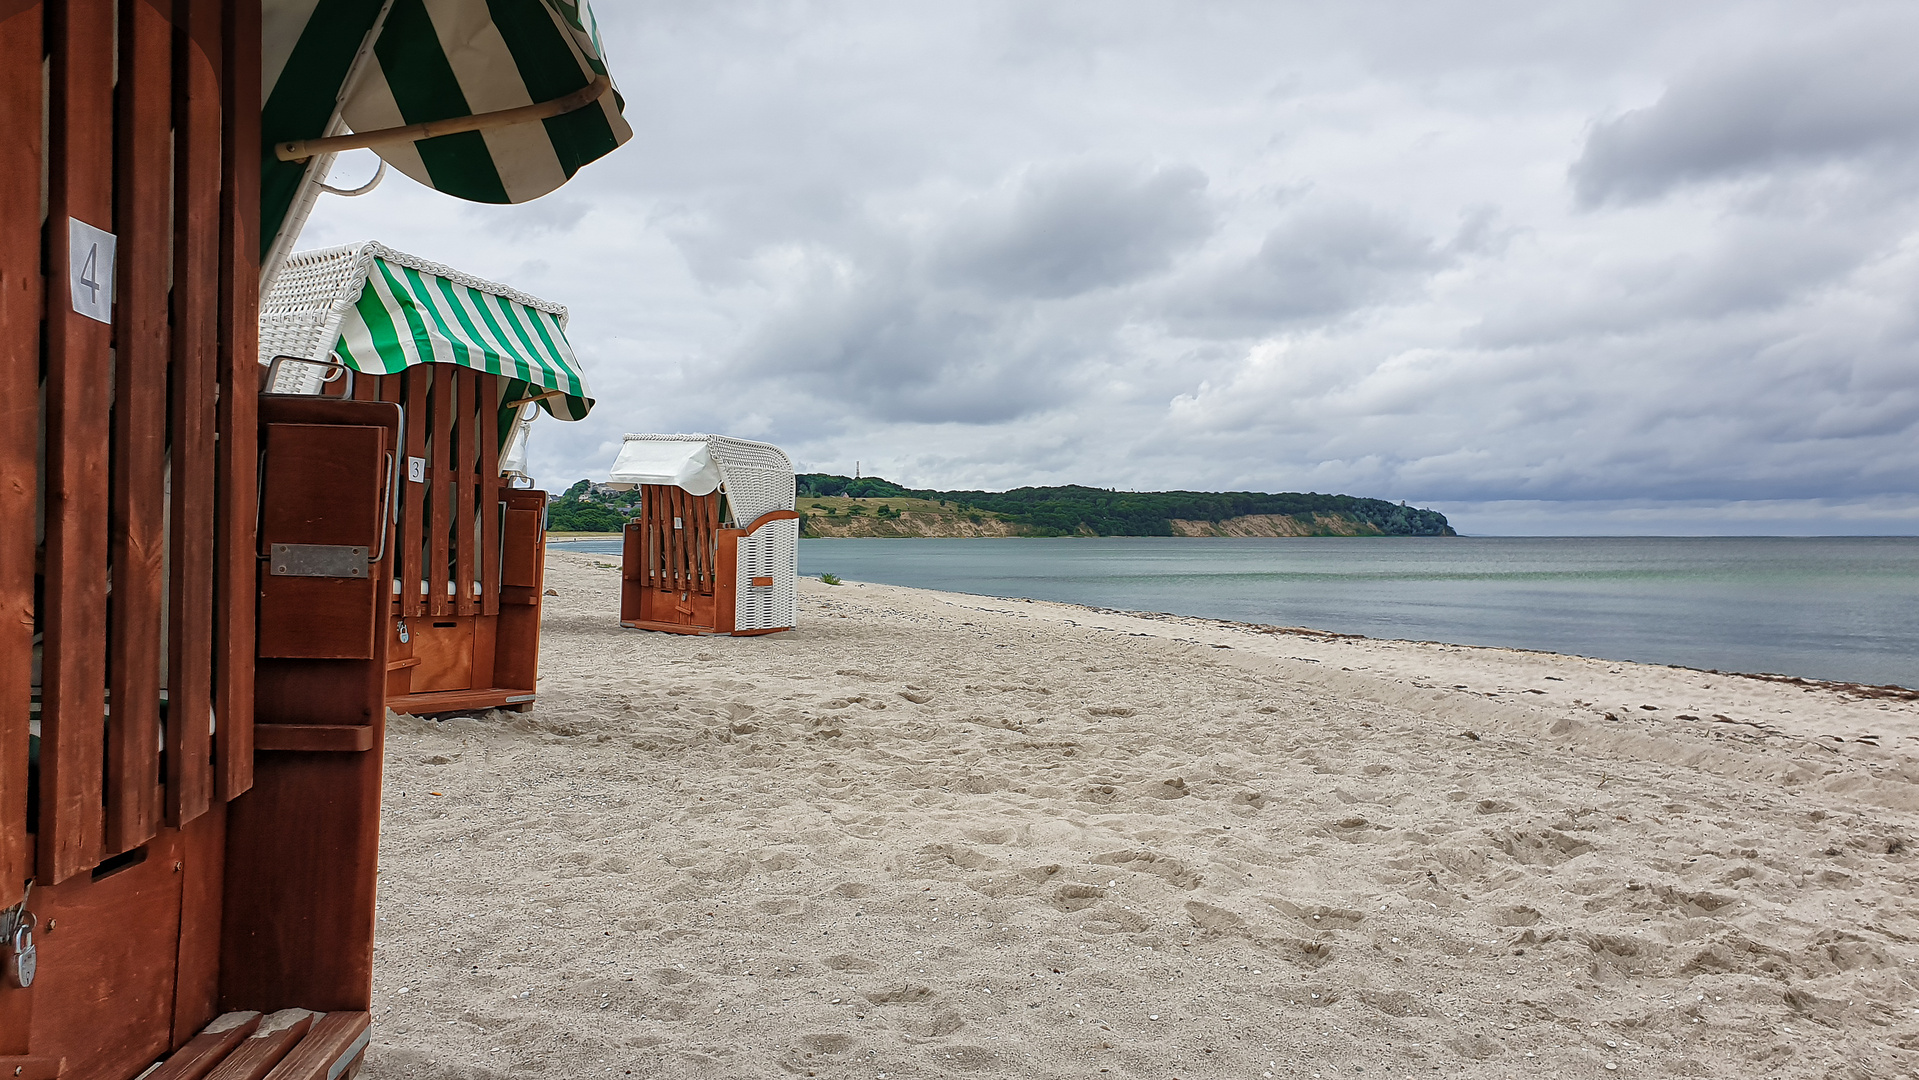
pixel 382 311
pixel 435 60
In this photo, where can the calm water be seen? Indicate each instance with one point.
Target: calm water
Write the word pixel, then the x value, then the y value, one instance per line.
pixel 1841 608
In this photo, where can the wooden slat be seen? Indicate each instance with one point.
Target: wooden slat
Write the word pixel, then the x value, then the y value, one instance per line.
pixel 675 568
pixel 196 326
pixel 418 380
pixel 138 505
pixel 392 388
pixel 695 548
pixel 689 553
pixel 650 526
pixel 466 465
pixel 709 546
pixel 236 573
pixel 277 1034
pixel 335 1040
pixel 663 537
pixel 669 554
pixel 207 1049
pixel 688 510
pixel 439 518
pixel 20 302
pixel 490 495
pixel 80 41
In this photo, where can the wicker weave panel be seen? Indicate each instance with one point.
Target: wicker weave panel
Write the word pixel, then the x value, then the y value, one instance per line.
pixel 772 550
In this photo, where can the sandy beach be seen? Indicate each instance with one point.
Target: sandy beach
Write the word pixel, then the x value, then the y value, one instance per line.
pixel 930 835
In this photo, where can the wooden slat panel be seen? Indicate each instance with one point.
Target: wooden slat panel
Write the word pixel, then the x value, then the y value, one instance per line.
pixel 20 297
pixel 490 494
pixel 196 326
pixel 412 525
pixel 80 40
pixel 235 576
pixel 466 465
pixel 138 505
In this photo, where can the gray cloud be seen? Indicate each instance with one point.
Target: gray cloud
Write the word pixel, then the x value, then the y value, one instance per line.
pixel 1322 262
pixel 874 349
pixel 1794 104
pixel 1065 230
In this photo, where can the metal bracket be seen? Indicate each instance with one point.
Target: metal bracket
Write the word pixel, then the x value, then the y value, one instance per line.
pixel 331 370
pixel 317 560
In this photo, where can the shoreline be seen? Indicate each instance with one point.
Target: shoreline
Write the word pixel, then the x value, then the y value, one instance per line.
pixel 940 835
pixel 1889 691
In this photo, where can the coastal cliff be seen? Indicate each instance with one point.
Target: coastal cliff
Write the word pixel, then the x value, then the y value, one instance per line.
pixel 1278 525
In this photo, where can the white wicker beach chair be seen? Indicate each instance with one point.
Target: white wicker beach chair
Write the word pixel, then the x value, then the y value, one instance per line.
pixel 667 549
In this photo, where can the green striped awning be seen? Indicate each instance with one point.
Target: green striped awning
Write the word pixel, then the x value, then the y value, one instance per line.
pixel 381 311
pixel 435 60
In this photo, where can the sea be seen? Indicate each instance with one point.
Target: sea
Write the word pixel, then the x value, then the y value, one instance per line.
pixel 1841 608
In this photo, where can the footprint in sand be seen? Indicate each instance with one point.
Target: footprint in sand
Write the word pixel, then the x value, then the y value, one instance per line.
pixel 1073 897
pixel 1172 871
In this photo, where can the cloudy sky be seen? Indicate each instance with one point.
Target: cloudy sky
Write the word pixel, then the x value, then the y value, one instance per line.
pixel 1550 268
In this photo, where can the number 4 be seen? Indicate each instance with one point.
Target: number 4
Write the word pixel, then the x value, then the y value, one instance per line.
pixel 88 271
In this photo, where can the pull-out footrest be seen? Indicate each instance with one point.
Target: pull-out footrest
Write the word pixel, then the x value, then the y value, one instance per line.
pixel 292 1044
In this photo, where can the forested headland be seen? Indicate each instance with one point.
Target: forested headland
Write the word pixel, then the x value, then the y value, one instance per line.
pixel 832 505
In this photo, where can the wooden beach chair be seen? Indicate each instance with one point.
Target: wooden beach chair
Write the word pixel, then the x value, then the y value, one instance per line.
pixel 189 809
pixel 466 362
pixel 715 546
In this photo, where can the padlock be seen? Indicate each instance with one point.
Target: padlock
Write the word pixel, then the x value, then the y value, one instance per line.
pixel 405 635
pixel 22 957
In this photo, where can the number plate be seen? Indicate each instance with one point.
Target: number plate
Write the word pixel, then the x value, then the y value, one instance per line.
pixel 90 264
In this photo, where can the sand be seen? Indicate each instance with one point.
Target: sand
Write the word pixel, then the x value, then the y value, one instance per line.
pixel 932 835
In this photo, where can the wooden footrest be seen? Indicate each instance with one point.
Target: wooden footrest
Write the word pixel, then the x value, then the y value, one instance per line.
pixel 445 701
pixel 292 1044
